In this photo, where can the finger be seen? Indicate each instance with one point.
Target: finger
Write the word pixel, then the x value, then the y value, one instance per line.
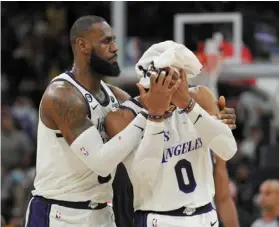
pixel 170 71
pixel 152 80
pixel 176 76
pixel 175 86
pixel 141 89
pixel 222 102
pixel 172 82
pixel 229 121
pixel 183 75
pixel 232 127
pixel 228 116
pixel 162 77
pixel 227 110
pixel 168 80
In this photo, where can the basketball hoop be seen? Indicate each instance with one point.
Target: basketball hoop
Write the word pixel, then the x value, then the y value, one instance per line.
pixel 211 64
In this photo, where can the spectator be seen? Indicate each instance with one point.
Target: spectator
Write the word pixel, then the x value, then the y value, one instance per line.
pixel 25 113
pixel 245 218
pixel 15 144
pixel 269 204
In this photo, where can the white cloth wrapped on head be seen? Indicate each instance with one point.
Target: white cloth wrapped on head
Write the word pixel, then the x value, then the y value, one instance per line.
pixel 168 54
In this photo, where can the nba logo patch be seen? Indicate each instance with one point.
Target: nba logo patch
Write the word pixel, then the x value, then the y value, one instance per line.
pixel 58 215
pixel 88 97
pixel 154 222
pixel 109 203
pixel 84 151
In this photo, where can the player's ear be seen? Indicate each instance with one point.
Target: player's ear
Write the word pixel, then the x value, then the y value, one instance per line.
pixel 83 45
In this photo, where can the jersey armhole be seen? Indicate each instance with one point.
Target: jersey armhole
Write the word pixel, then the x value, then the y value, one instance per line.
pixel 86 102
pixel 107 85
pixel 128 108
pixel 136 102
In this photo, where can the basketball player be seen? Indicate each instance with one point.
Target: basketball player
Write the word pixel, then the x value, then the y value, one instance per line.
pixel 224 203
pixel 175 185
pixel 73 181
pixel 269 203
pixel 225 207
pixel 123 189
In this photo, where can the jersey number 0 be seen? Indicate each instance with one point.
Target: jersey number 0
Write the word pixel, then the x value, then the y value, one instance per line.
pixel 184 170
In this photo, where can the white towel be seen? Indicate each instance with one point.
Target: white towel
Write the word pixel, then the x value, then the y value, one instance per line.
pixel 168 54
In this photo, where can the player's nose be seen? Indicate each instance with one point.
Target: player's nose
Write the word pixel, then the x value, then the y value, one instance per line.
pixel 113 48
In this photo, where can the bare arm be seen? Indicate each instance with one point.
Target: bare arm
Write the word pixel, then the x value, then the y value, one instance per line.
pixel 117 121
pixel 205 98
pixel 224 202
pixel 121 95
pixel 64 108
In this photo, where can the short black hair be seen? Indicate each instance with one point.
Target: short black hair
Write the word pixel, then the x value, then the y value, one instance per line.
pixel 83 24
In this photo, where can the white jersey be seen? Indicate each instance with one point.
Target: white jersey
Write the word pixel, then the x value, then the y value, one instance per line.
pixel 185 177
pixel 60 174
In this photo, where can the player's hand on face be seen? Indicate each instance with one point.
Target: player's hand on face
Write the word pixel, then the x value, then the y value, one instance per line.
pixel 227 115
pixel 157 99
pixel 181 98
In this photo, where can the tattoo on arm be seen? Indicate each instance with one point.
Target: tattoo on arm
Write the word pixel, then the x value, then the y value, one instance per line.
pixel 69 111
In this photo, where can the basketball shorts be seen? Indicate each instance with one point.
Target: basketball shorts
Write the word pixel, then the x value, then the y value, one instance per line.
pixel 204 216
pixel 43 212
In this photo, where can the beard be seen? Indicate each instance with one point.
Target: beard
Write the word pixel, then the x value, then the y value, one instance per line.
pixel 103 67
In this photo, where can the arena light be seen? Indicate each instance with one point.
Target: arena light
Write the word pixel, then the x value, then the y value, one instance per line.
pixel 211 18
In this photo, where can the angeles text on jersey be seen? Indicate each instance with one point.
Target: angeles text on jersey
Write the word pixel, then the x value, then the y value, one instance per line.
pixel 182 148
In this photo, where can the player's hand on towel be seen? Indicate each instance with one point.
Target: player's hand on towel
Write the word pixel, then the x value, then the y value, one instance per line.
pixel 181 98
pixel 157 99
pixel 227 115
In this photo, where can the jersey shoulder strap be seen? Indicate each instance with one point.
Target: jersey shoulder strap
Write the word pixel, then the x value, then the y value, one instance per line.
pixel 112 98
pixel 132 105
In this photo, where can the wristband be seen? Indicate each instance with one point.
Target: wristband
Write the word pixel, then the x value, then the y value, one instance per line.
pixel 188 108
pixel 156 117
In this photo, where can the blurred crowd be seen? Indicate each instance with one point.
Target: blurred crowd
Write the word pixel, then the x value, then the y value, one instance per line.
pixel 35 48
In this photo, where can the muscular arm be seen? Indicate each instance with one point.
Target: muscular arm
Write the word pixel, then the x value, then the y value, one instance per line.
pixel 224 202
pixel 121 95
pixel 65 108
pixel 213 132
pixel 205 98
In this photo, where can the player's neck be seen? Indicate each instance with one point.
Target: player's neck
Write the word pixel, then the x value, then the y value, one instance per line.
pixel 269 215
pixel 89 81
